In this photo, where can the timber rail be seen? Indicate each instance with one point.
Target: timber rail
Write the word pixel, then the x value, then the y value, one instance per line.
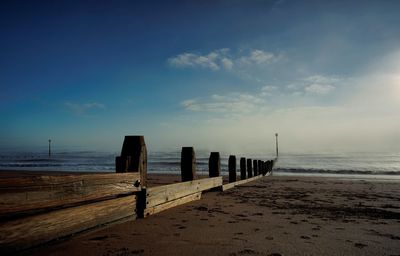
pixel 35 209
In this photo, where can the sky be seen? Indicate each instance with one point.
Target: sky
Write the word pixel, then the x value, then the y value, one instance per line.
pixel 217 75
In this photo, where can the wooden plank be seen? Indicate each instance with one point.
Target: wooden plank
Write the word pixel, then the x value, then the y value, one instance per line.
pixel 161 194
pixel 173 203
pixel 31 194
pixel 240 182
pixel 33 230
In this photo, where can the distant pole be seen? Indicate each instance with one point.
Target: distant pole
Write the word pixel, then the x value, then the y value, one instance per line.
pixel 276 140
pixel 49 148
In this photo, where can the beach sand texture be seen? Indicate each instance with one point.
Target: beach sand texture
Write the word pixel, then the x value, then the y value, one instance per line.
pixel 270 216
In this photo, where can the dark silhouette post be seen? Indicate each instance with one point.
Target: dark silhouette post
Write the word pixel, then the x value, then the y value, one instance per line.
pixel 276 142
pixel 242 168
pixel 214 165
pixel 270 166
pixel 260 169
pixel 249 168
pixel 49 148
pixel 188 164
pixel 255 167
pixel 133 157
pixel 232 168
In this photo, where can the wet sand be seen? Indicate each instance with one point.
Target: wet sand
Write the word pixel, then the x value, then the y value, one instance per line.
pixel 271 216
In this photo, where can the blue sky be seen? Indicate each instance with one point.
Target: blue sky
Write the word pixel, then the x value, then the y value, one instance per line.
pixel 218 75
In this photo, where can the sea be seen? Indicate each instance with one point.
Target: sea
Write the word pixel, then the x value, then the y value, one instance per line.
pixel 355 164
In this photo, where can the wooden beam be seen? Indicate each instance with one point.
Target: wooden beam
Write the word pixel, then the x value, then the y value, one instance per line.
pixel 26 232
pixel 172 203
pixel 240 182
pixel 162 194
pixel 23 195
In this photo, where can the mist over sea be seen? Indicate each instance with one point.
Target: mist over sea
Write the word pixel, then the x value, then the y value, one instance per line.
pixel 169 162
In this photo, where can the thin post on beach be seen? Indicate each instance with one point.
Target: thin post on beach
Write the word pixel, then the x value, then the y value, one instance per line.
pixel 49 147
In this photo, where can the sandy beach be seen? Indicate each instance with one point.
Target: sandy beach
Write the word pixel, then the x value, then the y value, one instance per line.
pixel 270 216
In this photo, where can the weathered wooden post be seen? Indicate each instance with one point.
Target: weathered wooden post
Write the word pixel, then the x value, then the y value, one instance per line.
pixel 188 164
pixel 255 167
pixel 133 157
pixel 242 168
pixel 270 166
pixel 260 169
pixel 249 168
pixel 232 168
pixel 214 165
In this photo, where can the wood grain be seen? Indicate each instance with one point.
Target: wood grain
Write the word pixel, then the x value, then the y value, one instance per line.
pixel 26 232
pixel 31 194
pixel 167 205
pixel 162 194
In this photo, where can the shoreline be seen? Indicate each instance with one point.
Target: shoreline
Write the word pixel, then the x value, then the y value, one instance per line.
pixel 276 215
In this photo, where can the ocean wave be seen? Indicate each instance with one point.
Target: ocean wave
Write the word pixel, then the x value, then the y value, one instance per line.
pixel 342 171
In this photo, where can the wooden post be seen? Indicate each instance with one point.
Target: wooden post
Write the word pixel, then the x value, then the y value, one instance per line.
pixel 260 169
pixel 255 167
pixel 214 165
pixel 249 168
pixel 49 148
pixel 232 168
pixel 133 157
pixel 270 166
pixel 188 164
pixel 242 168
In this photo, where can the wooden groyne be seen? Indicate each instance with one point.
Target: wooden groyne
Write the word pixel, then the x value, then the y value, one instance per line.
pixel 35 209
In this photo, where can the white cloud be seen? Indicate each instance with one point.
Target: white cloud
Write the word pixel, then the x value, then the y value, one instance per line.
pixel 193 60
pixel 314 85
pixel 267 90
pixel 83 108
pixel 221 59
pixel 320 89
pixel 257 57
pixel 227 63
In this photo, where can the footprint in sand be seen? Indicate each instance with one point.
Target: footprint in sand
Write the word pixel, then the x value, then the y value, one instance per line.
pixel 269 238
pixel 305 237
pixel 98 238
pixel 360 245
